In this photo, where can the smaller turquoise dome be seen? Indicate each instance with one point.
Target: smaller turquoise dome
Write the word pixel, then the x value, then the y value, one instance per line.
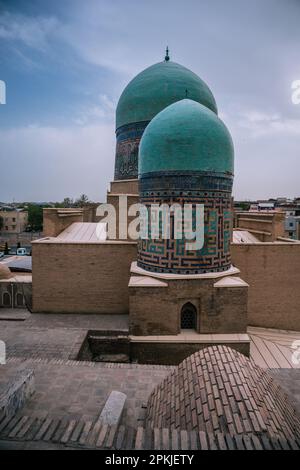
pixel 186 136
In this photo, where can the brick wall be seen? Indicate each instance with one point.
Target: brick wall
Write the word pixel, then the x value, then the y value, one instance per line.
pixel 266 226
pixel 124 186
pixel 157 310
pixel 55 220
pixel 273 274
pixel 87 278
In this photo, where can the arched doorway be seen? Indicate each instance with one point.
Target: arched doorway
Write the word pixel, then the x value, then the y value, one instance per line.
pixel 6 299
pixel 19 300
pixel 188 318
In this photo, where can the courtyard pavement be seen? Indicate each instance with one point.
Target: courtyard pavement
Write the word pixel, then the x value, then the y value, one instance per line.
pixel 49 345
pixel 52 335
pixel 78 390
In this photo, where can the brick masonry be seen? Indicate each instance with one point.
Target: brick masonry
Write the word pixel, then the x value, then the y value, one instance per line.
pixel 157 310
pixel 220 390
pixel 16 386
pixel 81 277
pixel 273 274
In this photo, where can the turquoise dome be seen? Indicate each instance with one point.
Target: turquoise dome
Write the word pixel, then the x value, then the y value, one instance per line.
pixel 186 136
pixel 156 88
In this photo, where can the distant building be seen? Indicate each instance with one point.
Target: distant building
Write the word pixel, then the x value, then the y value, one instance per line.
pixel 14 220
pixel 292 220
pixel 281 200
pixel 292 226
pixel 262 206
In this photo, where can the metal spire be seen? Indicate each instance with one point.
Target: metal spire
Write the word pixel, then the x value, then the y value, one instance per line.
pixel 167 58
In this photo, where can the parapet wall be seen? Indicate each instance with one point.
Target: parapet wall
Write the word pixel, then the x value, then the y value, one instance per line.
pixel 272 271
pixel 55 219
pixel 266 226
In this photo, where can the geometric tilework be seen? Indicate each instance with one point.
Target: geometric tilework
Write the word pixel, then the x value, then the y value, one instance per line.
pixel 171 255
pixel 127 148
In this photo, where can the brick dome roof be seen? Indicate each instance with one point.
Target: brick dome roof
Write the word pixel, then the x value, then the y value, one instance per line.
pixel 219 390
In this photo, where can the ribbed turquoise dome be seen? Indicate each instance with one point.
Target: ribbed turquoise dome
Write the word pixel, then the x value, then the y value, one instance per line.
pixel 156 88
pixel 186 136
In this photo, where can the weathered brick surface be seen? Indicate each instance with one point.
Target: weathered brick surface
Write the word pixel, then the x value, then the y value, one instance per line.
pixel 145 438
pixel 16 386
pixel 271 413
pixel 265 226
pixel 170 353
pixel 124 187
pixel 122 225
pixel 75 390
pixel 273 274
pixel 81 277
pixel 157 310
pixel 54 223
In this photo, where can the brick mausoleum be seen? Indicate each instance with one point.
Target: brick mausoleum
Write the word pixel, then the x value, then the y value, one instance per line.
pixel 142 343
pixel 172 149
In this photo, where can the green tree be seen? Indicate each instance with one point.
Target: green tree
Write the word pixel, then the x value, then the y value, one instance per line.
pixel 35 217
pixel 67 202
pixel 245 206
pixel 82 201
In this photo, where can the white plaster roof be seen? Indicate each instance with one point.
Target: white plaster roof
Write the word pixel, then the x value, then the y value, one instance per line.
pixel 231 282
pixel 145 281
pixel 243 236
pixel 83 232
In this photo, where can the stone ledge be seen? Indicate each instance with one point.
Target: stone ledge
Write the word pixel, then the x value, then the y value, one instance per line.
pixel 135 195
pixel 137 270
pixel 15 388
pixel 231 282
pixel 112 411
pixel 132 180
pixel 193 338
pixel 145 281
pixel 57 241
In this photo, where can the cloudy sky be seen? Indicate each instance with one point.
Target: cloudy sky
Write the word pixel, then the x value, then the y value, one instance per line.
pixel 65 64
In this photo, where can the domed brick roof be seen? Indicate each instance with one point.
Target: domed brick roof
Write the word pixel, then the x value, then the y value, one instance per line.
pixel 220 390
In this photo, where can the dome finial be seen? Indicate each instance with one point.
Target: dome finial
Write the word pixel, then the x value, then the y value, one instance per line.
pixel 167 58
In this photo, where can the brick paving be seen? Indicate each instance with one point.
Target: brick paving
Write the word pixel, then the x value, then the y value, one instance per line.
pixel 78 390
pixel 54 335
pixel 75 390
pixel 30 433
